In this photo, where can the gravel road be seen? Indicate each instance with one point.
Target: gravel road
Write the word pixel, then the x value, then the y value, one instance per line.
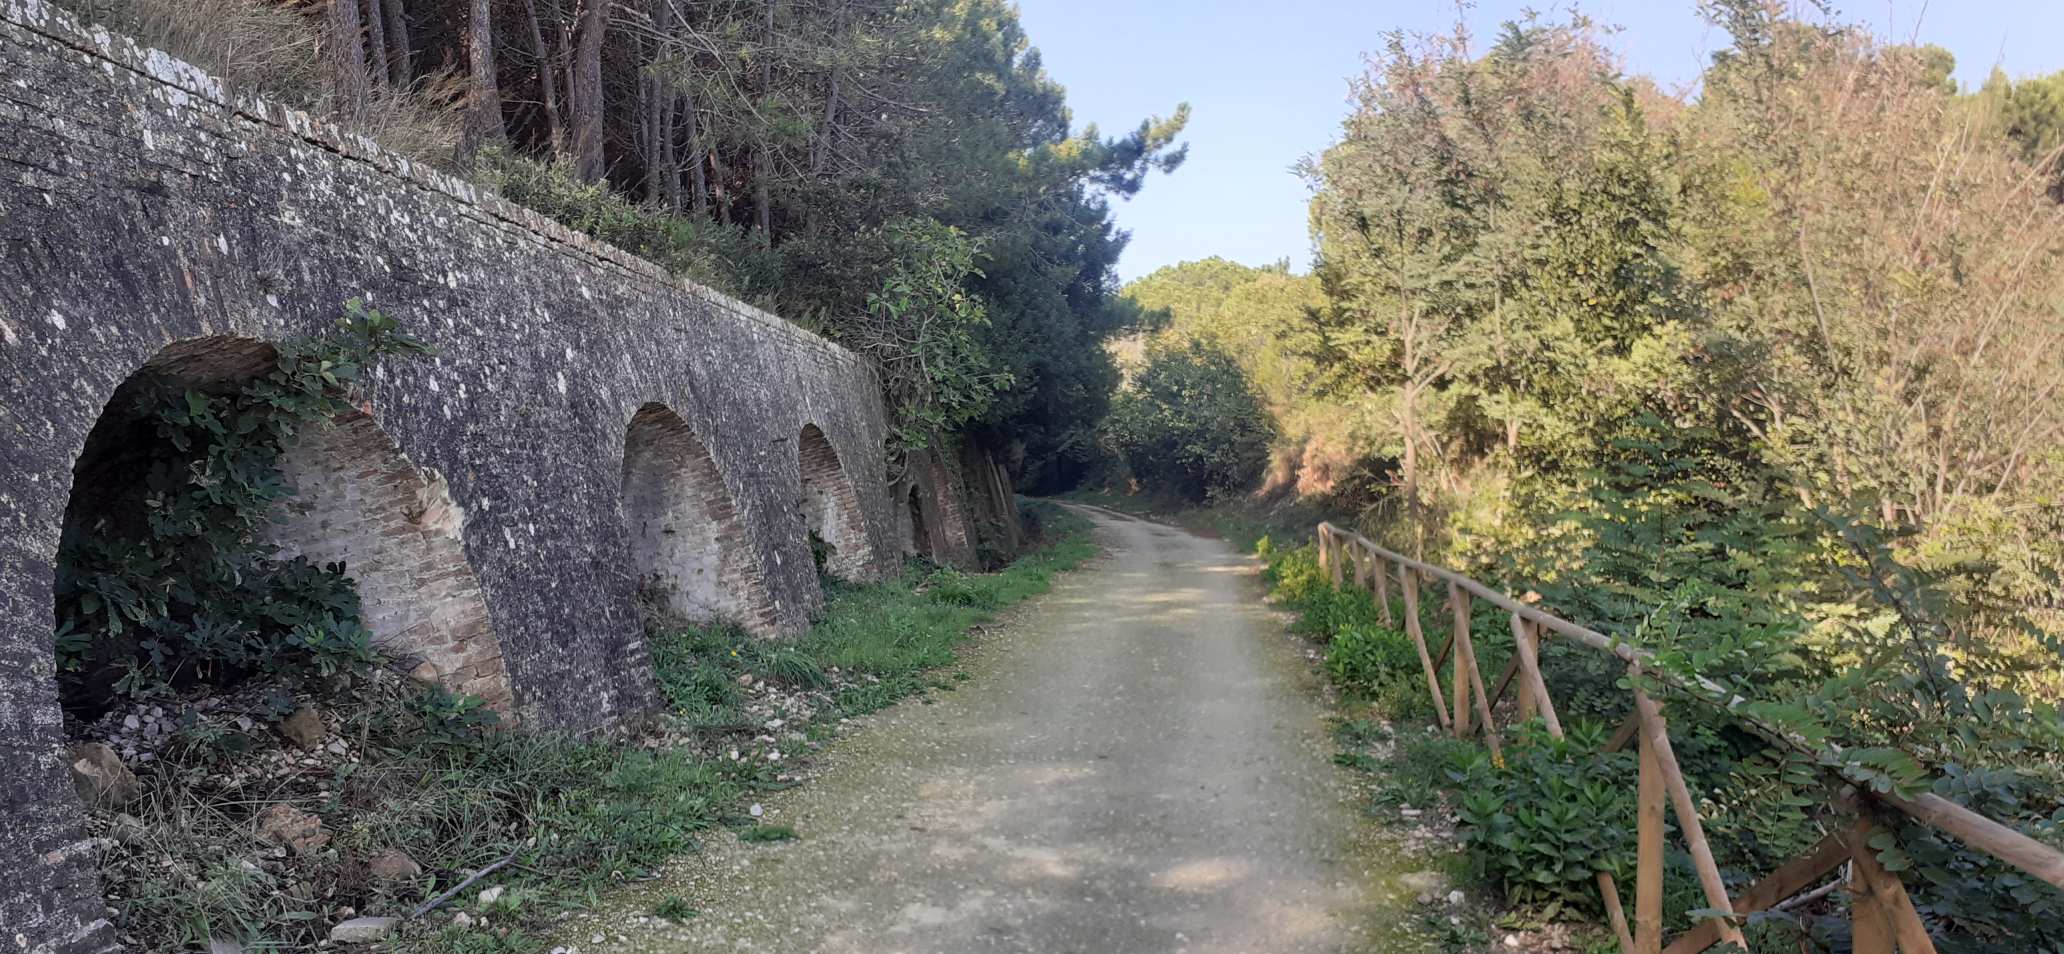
pixel 1137 764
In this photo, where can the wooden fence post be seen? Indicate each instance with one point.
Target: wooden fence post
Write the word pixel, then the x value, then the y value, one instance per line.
pixel 1528 637
pixel 1410 585
pixel 1648 854
pixel 1383 589
pixel 1461 682
pixel 1887 895
pixel 1333 565
pixel 1614 913
pixel 1465 652
pixel 1869 931
pixel 1655 743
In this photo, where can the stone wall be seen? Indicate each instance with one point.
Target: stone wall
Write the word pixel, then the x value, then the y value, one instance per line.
pixel 992 509
pixel 935 523
pixel 147 213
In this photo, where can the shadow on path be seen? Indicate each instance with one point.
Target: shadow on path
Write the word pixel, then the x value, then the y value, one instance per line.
pixel 1139 764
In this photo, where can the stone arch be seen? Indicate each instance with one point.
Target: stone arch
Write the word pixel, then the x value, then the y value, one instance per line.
pixel 688 548
pixel 357 500
pixel 932 513
pixel 830 508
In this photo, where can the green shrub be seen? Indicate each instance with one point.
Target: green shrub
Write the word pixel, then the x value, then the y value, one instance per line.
pixel 1293 574
pixel 1554 814
pixel 704 251
pixel 187 589
pixel 1191 425
pixel 1363 656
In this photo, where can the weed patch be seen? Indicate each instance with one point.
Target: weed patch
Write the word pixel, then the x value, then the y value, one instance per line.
pixel 674 908
pixel 428 775
pixel 765 834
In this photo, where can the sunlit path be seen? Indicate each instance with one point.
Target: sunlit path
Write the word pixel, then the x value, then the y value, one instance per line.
pixel 1137 764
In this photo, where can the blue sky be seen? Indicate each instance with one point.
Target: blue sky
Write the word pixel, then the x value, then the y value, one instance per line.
pixel 1267 84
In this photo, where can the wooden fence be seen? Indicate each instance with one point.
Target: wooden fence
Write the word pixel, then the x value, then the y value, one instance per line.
pixel 1882 915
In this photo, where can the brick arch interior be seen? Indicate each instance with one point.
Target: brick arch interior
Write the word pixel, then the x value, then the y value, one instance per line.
pixel 360 501
pixel 830 508
pixel 687 546
pixel 920 543
pixel 356 499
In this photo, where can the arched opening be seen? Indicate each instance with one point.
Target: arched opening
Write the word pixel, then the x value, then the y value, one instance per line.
pixel 831 509
pixel 359 501
pixel 201 546
pixel 920 532
pixel 687 547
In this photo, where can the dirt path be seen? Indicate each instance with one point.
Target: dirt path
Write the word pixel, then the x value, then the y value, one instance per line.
pixel 1137 764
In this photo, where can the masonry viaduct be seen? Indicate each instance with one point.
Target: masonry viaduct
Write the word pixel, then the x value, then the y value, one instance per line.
pixel 588 427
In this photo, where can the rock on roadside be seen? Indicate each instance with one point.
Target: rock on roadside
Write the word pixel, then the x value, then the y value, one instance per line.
pixel 298 831
pixel 363 930
pixel 304 728
pixel 393 865
pixel 101 778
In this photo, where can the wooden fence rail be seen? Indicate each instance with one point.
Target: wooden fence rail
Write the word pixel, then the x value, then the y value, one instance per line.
pixel 1883 917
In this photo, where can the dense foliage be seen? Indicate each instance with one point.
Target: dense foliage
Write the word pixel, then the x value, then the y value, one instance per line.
pixel 1831 276
pixel 180 583
pixel 1189 424
pixel 1541 822
pixel 1241 311
pixel 902 176
pixel 1765 382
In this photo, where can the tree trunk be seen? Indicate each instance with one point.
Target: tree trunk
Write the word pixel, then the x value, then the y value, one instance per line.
pixel 548 80
pixel 589 162
pixel 348 82
pixel 698 165
pixel 719 185
pixel 376 40
pixel 1408 421
pixel 483 95
pixel 669 153
pixel 677 102
pixel 763 155
pixel 653 130
pixel 820 157
pixel 401 67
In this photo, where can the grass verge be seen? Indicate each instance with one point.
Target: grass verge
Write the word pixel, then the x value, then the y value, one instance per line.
pixel 567 819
